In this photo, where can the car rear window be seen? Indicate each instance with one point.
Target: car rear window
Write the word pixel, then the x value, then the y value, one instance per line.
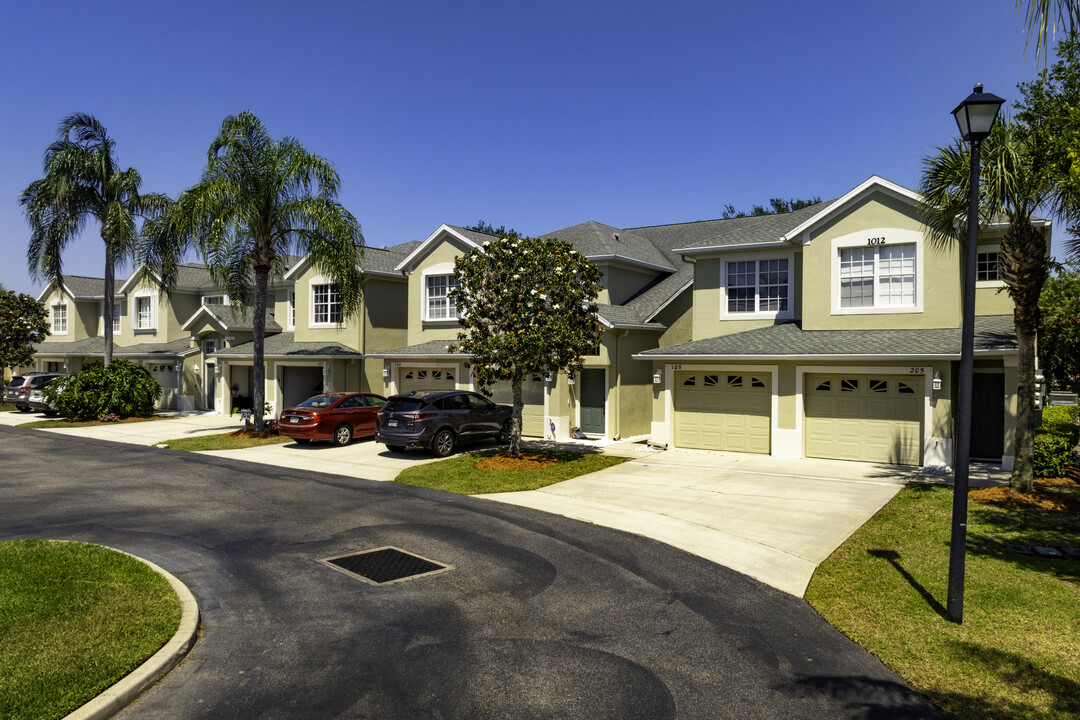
pixel 317 402
pixel 402 405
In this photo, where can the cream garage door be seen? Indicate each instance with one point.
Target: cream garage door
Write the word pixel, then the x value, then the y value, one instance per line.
pixel 426 378
pixel 723 411
pixel 532 395
pixel 165 373
pixel 872 418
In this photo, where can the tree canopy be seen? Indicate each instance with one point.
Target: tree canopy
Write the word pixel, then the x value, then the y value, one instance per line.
pixel 775 206
pixel 83 181
pixel 488 229
pixel 259 200
pixel 526 306
pixel 23 322
pixel 1059 335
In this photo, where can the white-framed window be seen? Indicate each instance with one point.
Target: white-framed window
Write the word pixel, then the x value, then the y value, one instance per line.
pixel 439 305
pixel 761 287
pixel 59 319
pixel 878 271
pixel 758 286
pixel 325 304
pixel 291 313
pixel 145 315
pixel 987 267
pixel 215 299
pixel 209 346
pixel 116 312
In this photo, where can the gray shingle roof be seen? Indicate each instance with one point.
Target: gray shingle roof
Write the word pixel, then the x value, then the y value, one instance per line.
pixel 477 237
pixel 285 345
pixel 431 347
pixel 96 346
pixel 730 231
pixel 194 276
pixel 993 333
pixel 242 319
pixel 595 240
pixel 380 260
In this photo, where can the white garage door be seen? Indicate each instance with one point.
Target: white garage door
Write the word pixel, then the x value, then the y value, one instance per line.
pixel 165 373
pixel 426 379
pixel 872 418
pixel 723 411
pixel 532 395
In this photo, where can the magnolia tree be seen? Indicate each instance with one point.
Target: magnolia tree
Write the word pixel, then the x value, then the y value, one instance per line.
pixel 526 307
pixel 23 322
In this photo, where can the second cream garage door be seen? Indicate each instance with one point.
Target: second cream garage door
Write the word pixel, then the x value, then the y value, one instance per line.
pixel 532 395
pixel 723 411
pixel 428 379
pixel 872 418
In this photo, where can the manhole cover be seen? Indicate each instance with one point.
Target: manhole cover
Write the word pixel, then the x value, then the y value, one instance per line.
pixel 385 565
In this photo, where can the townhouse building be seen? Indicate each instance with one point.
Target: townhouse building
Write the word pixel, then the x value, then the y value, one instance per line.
pixel 832 331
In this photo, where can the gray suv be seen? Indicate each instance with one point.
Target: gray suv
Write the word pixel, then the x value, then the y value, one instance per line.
pixel 27 396
pixel 440 420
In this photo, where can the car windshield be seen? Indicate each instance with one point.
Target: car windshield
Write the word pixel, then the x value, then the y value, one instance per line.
pixel 402 405
pixel 317 402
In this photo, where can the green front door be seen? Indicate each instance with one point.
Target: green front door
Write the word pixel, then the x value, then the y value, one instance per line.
pixel 593 390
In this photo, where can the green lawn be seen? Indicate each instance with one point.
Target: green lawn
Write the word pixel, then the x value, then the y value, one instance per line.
pixel 458 474
pixel 223 442
pixel 74 618
pixel 1017 654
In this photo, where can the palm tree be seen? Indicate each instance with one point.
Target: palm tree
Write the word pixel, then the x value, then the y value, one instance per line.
pixel 82 181
pixel 259 200
pixel 1044 16
pixel 1012 187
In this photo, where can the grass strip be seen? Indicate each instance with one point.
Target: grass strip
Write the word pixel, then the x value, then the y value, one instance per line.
pixel 459 474
pixel 223 442
pixel 74 618
pixel 62 423
pixel 1017 653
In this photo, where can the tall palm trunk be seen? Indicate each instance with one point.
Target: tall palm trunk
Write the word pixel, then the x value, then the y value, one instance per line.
pixel 1024 269
pixel 262 277
pixel 110 282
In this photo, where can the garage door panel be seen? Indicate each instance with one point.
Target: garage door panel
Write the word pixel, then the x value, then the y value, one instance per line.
pixel 532 412
pixel 867 418
pixel 426 378
pixel 723 411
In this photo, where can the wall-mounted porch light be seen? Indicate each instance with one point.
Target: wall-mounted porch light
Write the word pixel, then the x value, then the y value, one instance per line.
pixel 657 377
pixel 937 380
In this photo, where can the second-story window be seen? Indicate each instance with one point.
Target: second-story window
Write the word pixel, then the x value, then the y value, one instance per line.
pixel 116 317
pixel 439 305
pixel 59 319
pixel 877 276
pixel 757 286
pixel 213 299
pixel 292 309
pixel 144 312
pixel 325 304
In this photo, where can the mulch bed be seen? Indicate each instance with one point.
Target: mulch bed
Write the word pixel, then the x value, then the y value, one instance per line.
pixel 249 434
pixel 1049 494
pixel 526 461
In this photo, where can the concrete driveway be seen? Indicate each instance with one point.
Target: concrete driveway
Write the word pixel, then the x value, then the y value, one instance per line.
pixel 774 519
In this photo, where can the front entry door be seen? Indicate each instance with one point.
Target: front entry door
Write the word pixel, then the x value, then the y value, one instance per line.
pixel 209 384
pixel 987 416
pixel 593 390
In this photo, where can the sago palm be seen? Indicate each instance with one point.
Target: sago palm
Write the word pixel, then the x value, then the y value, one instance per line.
pixel 83 181
pixel 1011 189
pixel 260 200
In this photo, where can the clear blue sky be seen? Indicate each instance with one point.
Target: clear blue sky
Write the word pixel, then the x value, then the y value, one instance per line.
pixel 533 115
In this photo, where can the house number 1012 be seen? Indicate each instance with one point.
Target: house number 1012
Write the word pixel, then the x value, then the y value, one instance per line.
pixel 875 241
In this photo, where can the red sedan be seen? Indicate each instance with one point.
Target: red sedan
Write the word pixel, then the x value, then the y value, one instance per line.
pixel 337 417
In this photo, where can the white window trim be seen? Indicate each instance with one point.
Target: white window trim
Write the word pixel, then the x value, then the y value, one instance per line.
pixel 118 308
pixel 889 236
pixel 319 280
pixel 290 311
pixel 992 248
pixel 439 270
pixel 52 318
pixel 224 298
pixel 152 327
pixel 756 314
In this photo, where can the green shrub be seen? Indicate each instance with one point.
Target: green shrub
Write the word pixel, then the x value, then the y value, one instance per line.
pixel 1053 454
pixel 123 389
pixel 1061 420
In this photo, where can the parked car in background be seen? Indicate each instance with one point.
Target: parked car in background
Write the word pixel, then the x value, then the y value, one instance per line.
pixel 441 420
pixel 27 396
pixel 11 388
pixel 337 417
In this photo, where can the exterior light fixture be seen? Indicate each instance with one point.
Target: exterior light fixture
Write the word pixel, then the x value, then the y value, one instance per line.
pixel 937 380
pixel 657 377
pixel 975 117
pixel 385 372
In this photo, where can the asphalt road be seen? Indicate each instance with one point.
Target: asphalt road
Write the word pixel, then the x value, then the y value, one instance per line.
pixel 540 617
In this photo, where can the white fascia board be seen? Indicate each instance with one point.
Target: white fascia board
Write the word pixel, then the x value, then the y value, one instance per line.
pixel 730 248
pixel 63 289
pixel 421 249
pixel 623 260
pixel 638 326
pixel 135 276
pixel 203 310
pixel 404 357
pixel 774 358
pixel 295 269
pixel 874 182
pixel 670 300
pixel 603 322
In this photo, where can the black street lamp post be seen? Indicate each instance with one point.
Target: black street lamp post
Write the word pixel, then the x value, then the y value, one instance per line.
pixel 975 116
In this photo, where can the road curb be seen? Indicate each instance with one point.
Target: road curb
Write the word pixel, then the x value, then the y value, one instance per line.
pixel 128 688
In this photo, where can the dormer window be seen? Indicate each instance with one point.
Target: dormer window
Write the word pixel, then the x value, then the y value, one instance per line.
pixel 325 304
pixel 59 319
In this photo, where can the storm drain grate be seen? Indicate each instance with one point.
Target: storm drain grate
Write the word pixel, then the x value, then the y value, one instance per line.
pixel 386 565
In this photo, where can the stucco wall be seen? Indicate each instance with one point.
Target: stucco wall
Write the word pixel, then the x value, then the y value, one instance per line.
pixel 441 257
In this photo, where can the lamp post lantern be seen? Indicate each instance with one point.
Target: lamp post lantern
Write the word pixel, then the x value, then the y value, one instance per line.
pixel 975 117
